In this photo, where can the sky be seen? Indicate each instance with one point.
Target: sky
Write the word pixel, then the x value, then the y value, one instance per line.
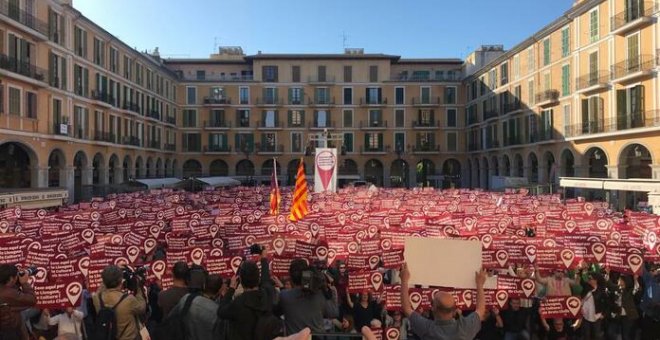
pixel 409 28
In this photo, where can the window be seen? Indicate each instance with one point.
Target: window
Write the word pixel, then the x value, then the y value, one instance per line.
pixel 14 101
pixel 269 118
pixel 189 118
pixel 348 73
pixel 114 60
pixel 592 115
pixel 57 70
pixel 451 117
pixel 127 67
pixel 530 92
pixel 452 142
pixel 296 118
pixel 399 118
pixel 217 141
pixel 546 132
pixel 296 96
pixel 373 95
pixel 217 118
pixel 565 80
pixel 296 142
pixel 321 119
pixel 373 73
pixel 201 75
pixel 375 118
pixel 192 142
pixel 425 118
pixel 56 27
pixel 80 42
pixel 243 118
pixel 270 95
pixel 80 122
pixel 321 73
pixel 30 104
pixel 567 119
pixel 81 79
pixel 504 74
pixel 99 123
pixel 191 95
pixel 244 94
pixel 517 97
pixel 373 141
pixel 425 141
pixel 348 118
pixel 426 95
pixel 593 26
pixel 295 74
pixel 632 42
pixel 268 142
pixel 565 42
pixel 531 62
pixel 546 81
pixel 546 52
pixel 593 67
pixel 630 107
pixel 57 113
pixel 99 52
pixel 450 95
pixel 492 79
pixel 321 95
pixel 269 73
pixel 348 142
pixel 217 93
pixel 399 96
pixel 399 141
pixel 348 96
pixel 421 75
pixel 516 67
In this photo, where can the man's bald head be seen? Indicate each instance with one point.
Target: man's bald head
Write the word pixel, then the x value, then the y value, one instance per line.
pixel 444 305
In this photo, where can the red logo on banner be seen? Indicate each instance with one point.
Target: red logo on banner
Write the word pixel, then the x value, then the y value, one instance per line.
pixel 326 162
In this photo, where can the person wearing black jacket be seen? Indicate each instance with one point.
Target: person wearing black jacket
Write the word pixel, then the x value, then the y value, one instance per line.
pixel 243 312
pixel 595 306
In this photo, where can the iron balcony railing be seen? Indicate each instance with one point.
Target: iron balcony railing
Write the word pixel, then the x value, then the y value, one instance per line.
pixel 131 141
pixel 317 125
pixel 426 101
pixel 490 114
pixel 269 101
pixel 600 77
pixel 102 136
pixel 512 140
pixel 61 129
pixel 269 148
pixel 153 114
pixel 510 107
pixel 23 17
pixel 431 77
pixel 373 124
pixel 632 13
pixel 103 96
pixel 170 120
pixel 169 147
pixel 23 68
pixel 320 101
pixel 217 101
pixel 373 101
pixel 370 149
pixel 633 65
pixel 217 148
pixel 154 144
pixel 425 123
pixel 547 96
pixel 267 125
pixel 322 79
pixel 130 106
pixel 634 120
pixel 217 124
pixel 492 144
pixel 426 148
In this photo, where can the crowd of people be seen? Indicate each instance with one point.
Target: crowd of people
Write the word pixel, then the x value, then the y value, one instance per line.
pixel 313 299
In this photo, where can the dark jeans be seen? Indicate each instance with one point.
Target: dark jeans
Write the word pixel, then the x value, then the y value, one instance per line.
pixel 592 330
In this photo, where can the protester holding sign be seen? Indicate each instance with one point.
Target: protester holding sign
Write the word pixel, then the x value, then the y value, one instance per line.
pixel 69 323
pixel 16 295
pixel 444 311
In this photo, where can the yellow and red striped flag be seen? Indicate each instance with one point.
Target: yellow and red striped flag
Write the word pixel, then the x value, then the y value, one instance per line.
pixel 299 207
pixel 275 196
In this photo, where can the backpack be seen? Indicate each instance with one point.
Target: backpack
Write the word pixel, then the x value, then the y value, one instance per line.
pixel 268 326
pixel 105 326
pixel 173 326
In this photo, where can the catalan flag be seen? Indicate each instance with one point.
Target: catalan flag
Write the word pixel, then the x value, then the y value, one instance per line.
pixel 275 196
pixel 299 207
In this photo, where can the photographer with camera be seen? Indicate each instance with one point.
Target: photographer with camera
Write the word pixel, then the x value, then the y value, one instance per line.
pixel 250 315
pixel 118 313
pixel 16 295
pixel 309 301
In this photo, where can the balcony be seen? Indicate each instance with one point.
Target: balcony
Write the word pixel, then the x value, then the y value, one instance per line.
pixel 634 120
pixel 134 141
pixel 269 149
pixel 101 136
pixel 217 124
pixel 492 144
pixel 317 126
pixel 218 77
pixel 269 101
pixel 426 101
pixel 296 101
pixel 265 125
pixel 61 129
pixel 217 148
pixel 130 106
pixel 373 102
pixel 170 120
pixel 378 150
pixel 426 149
pixel 456 76
pixel 511 107
pixel 24 18
pixel 23 68
pixel 80 133
pixel 321 80
pixel 373 125
pixel 169 147
pixel 154 144
pixel 547 98
pixel 592 82
pixel 512 141
pixel 191 148
pixel 490 114
pixel 153 114
pixel 472 119
pixel 633 68
pixel 103 97
pixel 425 124
pixel 216 101
pixel 321 101
pixel 634 18
pixel 473 147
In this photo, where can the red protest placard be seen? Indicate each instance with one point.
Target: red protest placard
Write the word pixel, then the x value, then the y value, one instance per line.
pixel 365 281
pixel 59 295
pixel 563 307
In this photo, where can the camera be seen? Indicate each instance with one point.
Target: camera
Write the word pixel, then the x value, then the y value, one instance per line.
pixel 256 249
pixel 131 277
pixel 29 271
pixel 313 280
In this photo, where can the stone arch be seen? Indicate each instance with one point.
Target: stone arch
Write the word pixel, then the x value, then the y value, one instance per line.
pixel 168 168
pixel 218 168
pixel 127 168
pixel 373 172
pixel 19 166
pixel 114 170
pixel 506 165
pixel 192 168
pixel 139 168
pixel 533 167
pixel 597 161
pixel 451 173
pixel 399 173
pixel 518 166
pixel 150 171
pixel 57 169
pixel 245 167
pixel 549 165
pixel 267 168
pixel 159 167
pixel 425 168
pixel 81 175
pixel 98 169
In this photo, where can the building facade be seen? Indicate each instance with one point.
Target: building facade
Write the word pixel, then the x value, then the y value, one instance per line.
pixel 80 109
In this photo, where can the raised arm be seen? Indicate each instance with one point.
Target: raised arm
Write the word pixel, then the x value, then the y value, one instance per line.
pixel 405 290
pixel 480 279
pixel 349 301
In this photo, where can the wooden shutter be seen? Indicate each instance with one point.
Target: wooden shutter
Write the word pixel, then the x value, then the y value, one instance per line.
pixel 621 103
pixel 302 117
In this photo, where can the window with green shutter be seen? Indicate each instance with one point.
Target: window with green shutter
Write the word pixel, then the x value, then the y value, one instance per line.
pixel 348 142
pixel 565 42
pixel 593 26
pixel 546 52
pixel 565 80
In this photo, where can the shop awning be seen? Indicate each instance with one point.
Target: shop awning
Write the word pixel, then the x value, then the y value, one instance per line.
pixel 157 183
pixel 218 181
pixel 632 184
